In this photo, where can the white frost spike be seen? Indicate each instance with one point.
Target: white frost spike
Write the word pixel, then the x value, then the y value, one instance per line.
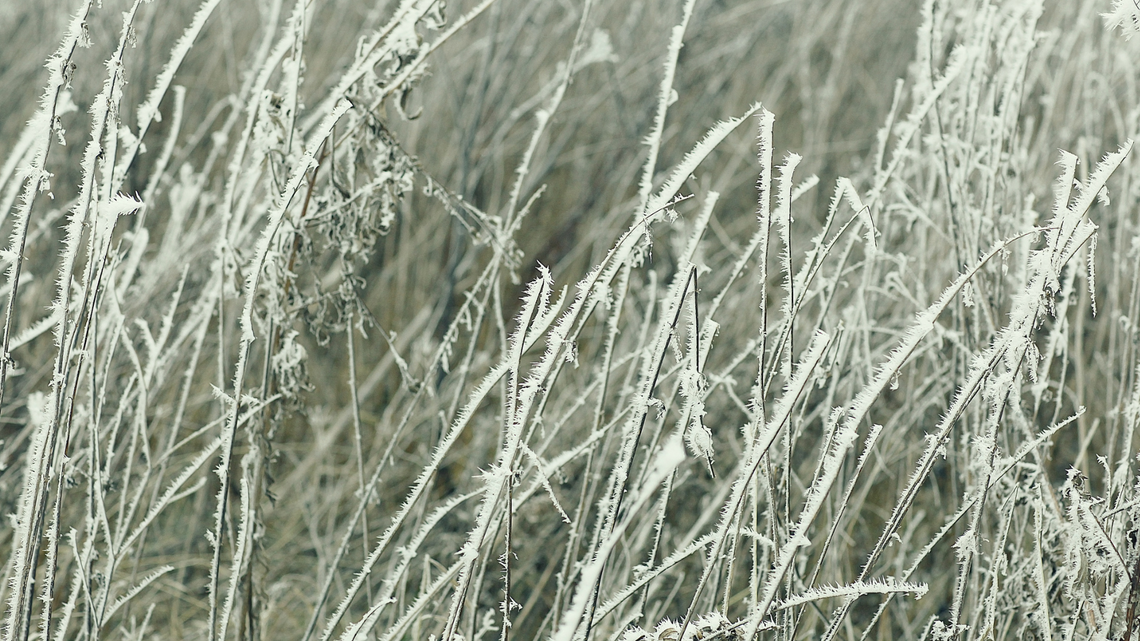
pixel 806 185
pixel 783 220
pixel 856 589
pixel 1091 273
pixel 1125 15
pixel 122 205
pixel 665 97
pixel 716 134
pixel 133 592
pixel 699 438
pixel 1063 188
pixel 1072 227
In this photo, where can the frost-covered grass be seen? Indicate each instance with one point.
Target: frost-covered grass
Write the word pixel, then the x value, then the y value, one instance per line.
pixel 579 321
